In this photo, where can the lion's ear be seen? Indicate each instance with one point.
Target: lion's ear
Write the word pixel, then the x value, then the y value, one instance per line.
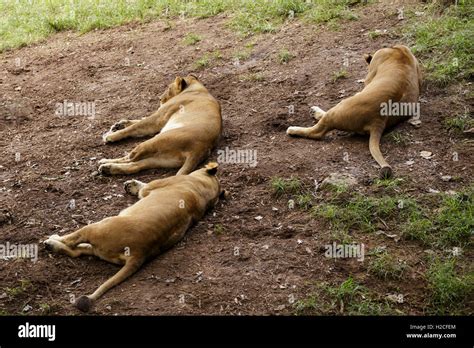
pixel 180 83
pixel 368 58
pixel 211 168
pixel 193 76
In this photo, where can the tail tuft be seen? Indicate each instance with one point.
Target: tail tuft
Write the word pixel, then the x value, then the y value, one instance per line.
pixel 386 172
pixel 84 304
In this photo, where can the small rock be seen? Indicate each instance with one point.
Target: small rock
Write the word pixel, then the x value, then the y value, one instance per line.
pixel 274 209
pixel 299 241
pixel 397 298
pixel 415 122
pixel 430 190
pixel 409 163
pixel 426 154
pixel 76 281
pixel 338 180
pixel 446 178
pixel 469 131
pixel 109 308
pixel 280 307
pixel 27 308
pixel 456 251
pixel 258 218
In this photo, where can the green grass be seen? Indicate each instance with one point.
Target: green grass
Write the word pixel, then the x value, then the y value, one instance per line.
pixel 304 201
pixel 253 77
pixel 439 221
pixel 282 186
pixel 45 308
pixel 219 229
pixel 443 42
pixel 340 74
pixel 329 11
pixel 25 22
pixel 459 123
pixel 349 298
pixel 389 183
pixel 450 224
pixel 191 39
pixel 284 56
pixel 385 266
pixel 245 52
pixel 449 291
pixel 18 290
pixel 398 138
pixel 375 34
pixel 341 236
pixel 362 212
pixel 207 59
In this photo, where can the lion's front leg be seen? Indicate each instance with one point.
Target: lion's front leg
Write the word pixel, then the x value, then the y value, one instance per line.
pixel 133 186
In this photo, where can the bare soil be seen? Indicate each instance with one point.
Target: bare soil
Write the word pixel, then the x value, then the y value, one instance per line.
pixel 280 257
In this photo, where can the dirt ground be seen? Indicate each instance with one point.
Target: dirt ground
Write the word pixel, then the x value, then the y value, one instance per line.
pixel 124 70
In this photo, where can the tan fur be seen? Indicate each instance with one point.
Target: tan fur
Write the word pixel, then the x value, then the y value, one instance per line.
pixel 394 73
pixel 166 209
pixel 189 124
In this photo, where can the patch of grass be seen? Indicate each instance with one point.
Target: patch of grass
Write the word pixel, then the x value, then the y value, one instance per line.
pixel 449 291
pixel 390 183
pixel 361 212
pixel 439 221
pixel 282 186
pixel 451 224
pixel 418 228
pixel 341 237
pixel 245 53
pixel 45 308
pixel 347 298
pixel 253 77
pixel 284 56
pixel 374 34
pixel 328 11
pixel 218 229
pixel 340 74
pixel 260 16
pixel 398 138
pixel 444 43
pixel 191 39
pixel 304 201
pixel 386 266
pixel 337 188
pixel 25 22
pixel 203 62
pixel 459 123
pixel 18 290
pixel 207 59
